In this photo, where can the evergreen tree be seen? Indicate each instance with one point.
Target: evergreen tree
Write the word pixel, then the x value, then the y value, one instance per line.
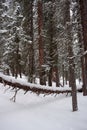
pixel 27 24
pixel 12 21
pixel 51 46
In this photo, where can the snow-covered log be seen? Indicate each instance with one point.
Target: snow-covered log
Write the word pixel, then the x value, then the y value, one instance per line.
pixel 38 89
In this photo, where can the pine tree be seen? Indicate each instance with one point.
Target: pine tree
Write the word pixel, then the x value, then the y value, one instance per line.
pixel 12 21
pixel 50 43
pixel 3 31
pixel 27 25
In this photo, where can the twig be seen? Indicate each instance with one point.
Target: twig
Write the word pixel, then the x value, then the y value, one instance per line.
pixel 14 97
pixel 7 89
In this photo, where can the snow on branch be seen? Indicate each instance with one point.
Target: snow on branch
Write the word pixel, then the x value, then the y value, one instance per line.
pixel 36 88
pixel 85 53
pixel 3 31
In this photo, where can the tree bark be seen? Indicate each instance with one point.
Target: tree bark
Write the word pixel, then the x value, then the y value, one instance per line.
pixel 83 9
pixel 66 76
pixel 72 81
pixel 31 50
pixel 63 73
pixel 40 42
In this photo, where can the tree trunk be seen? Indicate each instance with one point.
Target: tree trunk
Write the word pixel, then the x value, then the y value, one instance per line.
pixel 50 77
pixel 72 81
pixel 17 62
pixel 40 42
pixel 63 73
pixel 57 77
pixel 31 50
pixel 83 9
pixel 66 77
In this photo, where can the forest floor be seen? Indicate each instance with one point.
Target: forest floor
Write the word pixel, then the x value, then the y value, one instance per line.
pixel 32 112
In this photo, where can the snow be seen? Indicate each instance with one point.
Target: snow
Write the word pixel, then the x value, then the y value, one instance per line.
pixel 3 31
pixel 85 53
pixel 32 112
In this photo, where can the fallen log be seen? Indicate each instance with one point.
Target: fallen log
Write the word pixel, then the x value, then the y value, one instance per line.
pixel 38 89
pixel 33 89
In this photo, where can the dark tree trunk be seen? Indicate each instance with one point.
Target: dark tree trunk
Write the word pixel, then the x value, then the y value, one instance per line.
pixel 20 73
pixel 81 46
pixel 31 50
pixel 50 77
pixel 72 81
pixel 66 76
pixel 17 62
pixel 57 77
pixel 12 70
pixel 63 73
pixel 83 9
pixel 40 42
pixel 56 65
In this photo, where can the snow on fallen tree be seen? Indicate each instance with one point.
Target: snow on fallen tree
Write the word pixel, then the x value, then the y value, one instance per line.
pixel 36 88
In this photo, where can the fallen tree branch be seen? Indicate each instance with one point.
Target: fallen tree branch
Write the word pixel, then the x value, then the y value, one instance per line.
pixel 14 97
pixel 33 88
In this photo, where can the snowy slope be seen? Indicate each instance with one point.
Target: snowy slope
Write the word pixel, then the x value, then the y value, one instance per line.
pixel 32 112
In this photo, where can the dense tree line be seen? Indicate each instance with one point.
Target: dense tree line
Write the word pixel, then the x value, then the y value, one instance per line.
pixel 45 39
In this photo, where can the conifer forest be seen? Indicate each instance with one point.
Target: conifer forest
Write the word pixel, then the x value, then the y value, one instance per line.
pixel 45 41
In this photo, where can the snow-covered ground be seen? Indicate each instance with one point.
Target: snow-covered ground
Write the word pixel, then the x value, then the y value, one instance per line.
pixel 32 112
